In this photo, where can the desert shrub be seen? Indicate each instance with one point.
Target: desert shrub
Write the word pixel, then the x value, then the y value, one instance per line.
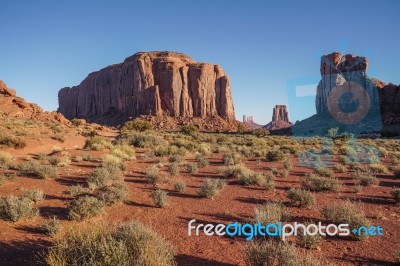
pixel 309 241
pixel 137 125
pixel 283 173
pixel 260 133
pixel 189 130
pixel 302 197
pixel 232 158
pixel 159 198
pixel 347 213
pixel 113 194
pixel 340 168
pixel 180 186
pixel 396 194
pixel 397 257
pixel 78 158
pixel 34 195
pixel 127 244
pixel 347 150
pixel 202 160
pixel 103 176
pixel 60 161
pixel 270 213
pixel 275 155
pixel 98 143
pixel 378 168
pixel 112 161
pixel 76 191
pixel 14 208
pixel 85 207
pixel 144 140
pixel 287 164
pixel 366 178
pixel 192 168
pixel 260 253
pixel 11 141
pixel 124 152
pixel 152 174
pixel 323 172
pixel 77 122
pixel 176 158
pixel 6 160
pixel 320 183
pixel 211 188
pixel 173 168
pixel 86 157
pixel 37 170
pixel 51 227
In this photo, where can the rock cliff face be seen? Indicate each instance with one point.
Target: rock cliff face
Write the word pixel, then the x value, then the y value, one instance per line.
pixel 280 118
pixel 154 83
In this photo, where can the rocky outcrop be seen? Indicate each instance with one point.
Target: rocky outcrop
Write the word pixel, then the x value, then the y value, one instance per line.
pixel 280 118
pixel 249 121
pixel 151 83
pixel 13 106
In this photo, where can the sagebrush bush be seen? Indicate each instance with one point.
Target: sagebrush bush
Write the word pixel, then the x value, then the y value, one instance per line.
pixel 310 241
pixel 232 158
pixel 347 213
pixel 366 178
pixel 124 152
pixel 211 187
pixel 98 143
pixel 113 194
pixel 325 172
pixel 11 141
pixel 125 245
pixel 303 198
pixel 37 170
pixel 137 124
pixel 35 195
pixel 86 157
pixel 76 191
pixel 173 168
pixel 270 213
pixel 180 186
pixel 111 161
pixel 192 168
pixel 283 173
pixel 152 174
pixel 287 164
pixel 14 208
pixel 144 140
pixel 6 160
pixel 340 168
pixel 264 253
pixel 319 183
pixel 85 207
pixel 51 227
pixel 275 155
pixel 60 161
pixel 396 194
pixel 159 198
pixel 103 176
pixel 378 168
pixel 189 130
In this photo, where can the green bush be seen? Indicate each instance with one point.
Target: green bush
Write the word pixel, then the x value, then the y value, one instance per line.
pixel 14 208
pixel 211 188
pixel 152 174
pixel 189 129
pixel 318 183
pixel 85 207
pixel 51 227
pixel 98 143
pixel 396 194
pixel 11 141
pixel 260 133
pixel 125 245
pixel 137 125
pixel 180 186
pixel 301 197
pixel 35 195
pixel 159 198
pixel 275 155
pixel 113 194
pixel 37 170
pixel 270 213
pixel 346 213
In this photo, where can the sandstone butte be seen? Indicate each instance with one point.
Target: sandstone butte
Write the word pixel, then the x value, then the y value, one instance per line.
pixel 166 86
pixel 280 118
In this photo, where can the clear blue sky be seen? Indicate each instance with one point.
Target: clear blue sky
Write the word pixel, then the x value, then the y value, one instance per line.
pixel 262 45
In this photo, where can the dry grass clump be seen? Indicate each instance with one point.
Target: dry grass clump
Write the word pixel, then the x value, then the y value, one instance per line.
pixel 103 176
pixel 192 168
pixel 159 198
pixel 232 158
pixel 152 174
pixel 115 193
pixel 319 183
pixel 211 187
pixel 85 207
pixel 14 208
pixel 35 195
pixel 124 152
pixel 11 141
pixel 301 197
pixel 347 213
pixel 202 160
pixel 144 140
pixel 60 161
pixel 248 177
pixel 395 192
pixel 51 227
pixel 340 168
pixel 126 244
pixel 275 155
pixel 378 168
pixel 325 172
pixel 137 124
pixel 173 168
pixel 365 177
pixel 6 160
pixel 271 213
pixel 38 170
pixel 98 143
pixel 180 186
pixel 76 191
